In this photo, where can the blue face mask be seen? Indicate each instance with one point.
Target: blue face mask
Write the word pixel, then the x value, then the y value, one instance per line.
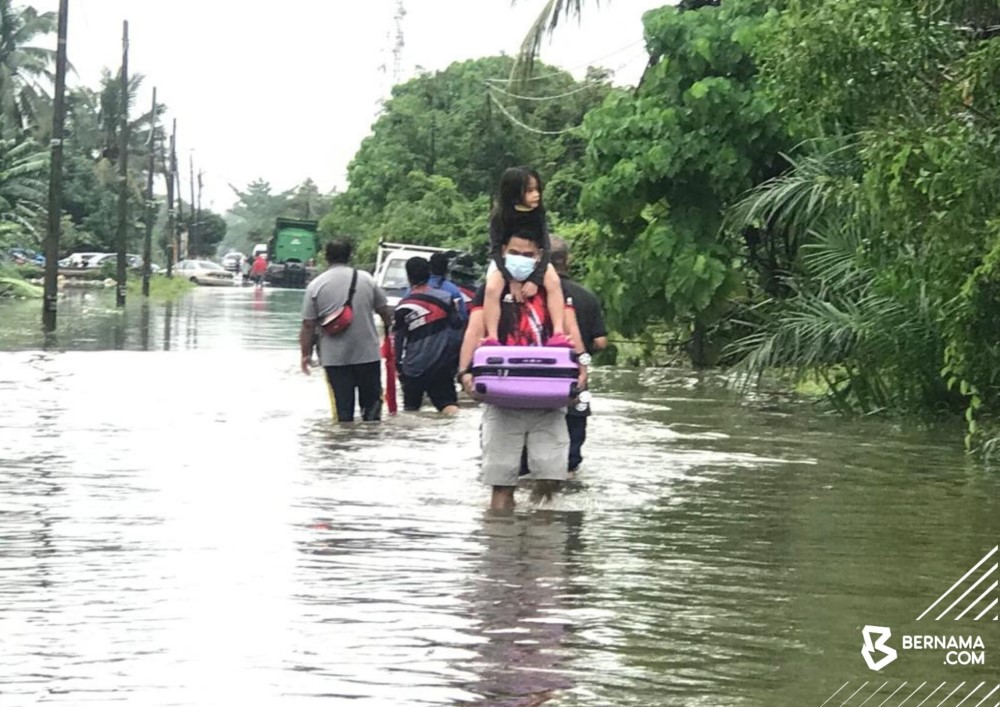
pixel 520 267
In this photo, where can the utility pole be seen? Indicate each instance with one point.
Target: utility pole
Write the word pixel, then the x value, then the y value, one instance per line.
pixel 147 246
pixel 192 229
pixel 123 172
pixel 51 299
pixel 197 217
pixel 171 226
pixel 180 207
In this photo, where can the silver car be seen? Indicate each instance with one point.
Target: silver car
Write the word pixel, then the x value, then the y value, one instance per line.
pixel 203 272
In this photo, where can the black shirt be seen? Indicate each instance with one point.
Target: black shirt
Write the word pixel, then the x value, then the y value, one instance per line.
pixel 589 316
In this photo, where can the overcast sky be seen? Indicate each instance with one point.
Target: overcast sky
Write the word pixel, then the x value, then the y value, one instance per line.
pixel 287 90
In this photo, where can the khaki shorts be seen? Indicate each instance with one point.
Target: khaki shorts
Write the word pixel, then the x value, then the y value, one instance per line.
pixel 506 431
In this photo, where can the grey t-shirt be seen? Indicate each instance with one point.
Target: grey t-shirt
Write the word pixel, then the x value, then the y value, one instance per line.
pixel 328 291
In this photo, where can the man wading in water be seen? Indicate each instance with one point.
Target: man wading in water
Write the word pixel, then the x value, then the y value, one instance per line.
pixel 507 431
pixel 351 357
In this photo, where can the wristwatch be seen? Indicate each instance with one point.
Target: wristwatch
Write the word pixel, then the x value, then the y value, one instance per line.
pixel 584 359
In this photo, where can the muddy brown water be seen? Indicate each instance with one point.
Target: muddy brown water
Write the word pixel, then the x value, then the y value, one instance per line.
pixel 181 524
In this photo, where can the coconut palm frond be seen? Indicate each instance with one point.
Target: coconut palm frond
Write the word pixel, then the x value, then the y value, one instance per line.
pixel 813 335
pixel 817 189
pixel 25 69
pixel 553 13
pixel 23 184
pixel 838 260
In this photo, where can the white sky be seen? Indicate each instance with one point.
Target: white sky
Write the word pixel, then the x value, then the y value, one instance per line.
pixel 286 91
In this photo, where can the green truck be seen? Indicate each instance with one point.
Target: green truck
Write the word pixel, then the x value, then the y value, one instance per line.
pixel 291 253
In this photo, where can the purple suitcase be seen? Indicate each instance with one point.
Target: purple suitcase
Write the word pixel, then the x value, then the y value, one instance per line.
pixel 535 377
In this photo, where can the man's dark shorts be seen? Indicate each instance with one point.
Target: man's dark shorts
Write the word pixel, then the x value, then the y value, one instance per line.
pixel 439 387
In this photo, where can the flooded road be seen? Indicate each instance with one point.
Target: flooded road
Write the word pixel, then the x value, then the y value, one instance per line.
pixel 181 524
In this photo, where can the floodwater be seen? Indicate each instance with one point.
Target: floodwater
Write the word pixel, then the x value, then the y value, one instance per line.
pixel 181 524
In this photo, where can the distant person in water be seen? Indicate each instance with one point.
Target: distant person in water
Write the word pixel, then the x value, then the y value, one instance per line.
pixel 258 270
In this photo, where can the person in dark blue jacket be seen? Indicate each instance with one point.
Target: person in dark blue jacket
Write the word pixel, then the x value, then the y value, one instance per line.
pixel 439 280
pixel 426 345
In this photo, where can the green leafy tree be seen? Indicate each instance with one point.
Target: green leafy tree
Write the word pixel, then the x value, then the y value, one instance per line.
pixel 251 219
pixel 663 165
pixel 893 203
pixel 206 230
pixel 438 149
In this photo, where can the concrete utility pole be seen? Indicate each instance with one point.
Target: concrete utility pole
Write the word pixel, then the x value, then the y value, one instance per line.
pixel 123 173
pixel 171 225
pixel 193 228
pixel 147 246
pixel 50 302
pixel 197 216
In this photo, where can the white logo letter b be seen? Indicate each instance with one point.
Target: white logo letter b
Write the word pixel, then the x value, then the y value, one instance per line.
pixel 870 647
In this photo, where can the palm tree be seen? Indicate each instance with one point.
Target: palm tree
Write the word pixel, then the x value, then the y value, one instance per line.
pixel 23 184
pixel 555 13
pixel 110 113
pixel 25 70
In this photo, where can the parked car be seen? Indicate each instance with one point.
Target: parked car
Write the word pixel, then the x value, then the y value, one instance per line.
pixel 231 261
pixel 79 260
pixel 203 272
pixel 25 256
pixel 132 260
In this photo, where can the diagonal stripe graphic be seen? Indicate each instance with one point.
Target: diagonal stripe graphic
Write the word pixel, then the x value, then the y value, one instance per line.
pixel 852 694
pixel 893 694
pixel 988 696
pixel 835 694
pixel 981 597
pixel 932 694
pixel 987 609
pixel 974 691
pixel 911 695
pixel 874 693
pixel 968 591
pixel 950 694
pixel 983 561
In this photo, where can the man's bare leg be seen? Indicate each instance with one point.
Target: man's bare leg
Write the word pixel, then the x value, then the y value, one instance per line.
pixel 503 498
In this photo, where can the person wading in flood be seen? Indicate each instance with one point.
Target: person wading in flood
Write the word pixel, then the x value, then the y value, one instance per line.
pixel 351 356
pixel 506 431
pixel 594 334
pixel 425 339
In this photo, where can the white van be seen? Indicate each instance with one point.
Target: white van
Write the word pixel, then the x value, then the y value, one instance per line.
pixel 390 267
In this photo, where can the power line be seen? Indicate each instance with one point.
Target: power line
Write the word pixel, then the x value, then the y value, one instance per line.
pixel 586 84
pixel 585 87
pixel 522 125
pixel 561 72
pixel 503 109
